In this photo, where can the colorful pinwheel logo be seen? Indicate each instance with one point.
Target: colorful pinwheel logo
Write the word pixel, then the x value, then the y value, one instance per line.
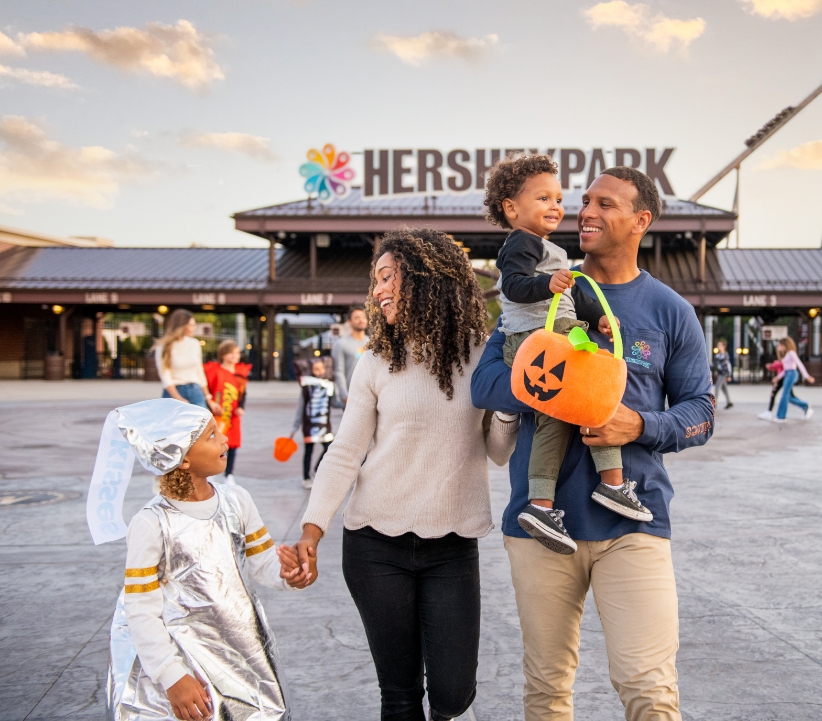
pixel 641 348
pixel 327 173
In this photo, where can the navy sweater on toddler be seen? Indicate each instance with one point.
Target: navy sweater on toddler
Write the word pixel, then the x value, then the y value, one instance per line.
pixel 666 358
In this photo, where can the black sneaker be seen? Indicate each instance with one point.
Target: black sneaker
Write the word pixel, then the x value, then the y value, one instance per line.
pixel 545 526
pixel 622 500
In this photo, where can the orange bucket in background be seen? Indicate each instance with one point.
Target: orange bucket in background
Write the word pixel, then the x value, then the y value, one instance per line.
pixel 284 448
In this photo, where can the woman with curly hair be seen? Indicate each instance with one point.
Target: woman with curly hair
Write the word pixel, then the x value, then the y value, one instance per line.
pixel 414 448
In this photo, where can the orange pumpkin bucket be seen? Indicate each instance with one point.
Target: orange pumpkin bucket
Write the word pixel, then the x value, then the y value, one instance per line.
pixel 569 377
pixel 284 448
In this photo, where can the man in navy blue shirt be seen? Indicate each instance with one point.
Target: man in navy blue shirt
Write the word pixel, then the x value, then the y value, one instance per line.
pixel 627 562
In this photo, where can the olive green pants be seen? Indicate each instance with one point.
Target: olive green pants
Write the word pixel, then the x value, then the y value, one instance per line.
pixel 552 435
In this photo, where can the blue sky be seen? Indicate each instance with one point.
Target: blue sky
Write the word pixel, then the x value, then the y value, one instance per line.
pixel 150 123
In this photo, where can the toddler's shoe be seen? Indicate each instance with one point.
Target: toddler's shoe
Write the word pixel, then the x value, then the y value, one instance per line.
pixel 622 500
pixel 545 526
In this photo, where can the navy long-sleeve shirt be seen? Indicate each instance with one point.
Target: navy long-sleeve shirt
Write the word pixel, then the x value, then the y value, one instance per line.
pixel 666 358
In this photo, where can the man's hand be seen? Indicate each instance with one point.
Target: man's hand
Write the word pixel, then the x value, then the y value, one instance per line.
pixel 626 426
pixel 189 699
pixel 604 327
pixel 290 569
pixel 561 280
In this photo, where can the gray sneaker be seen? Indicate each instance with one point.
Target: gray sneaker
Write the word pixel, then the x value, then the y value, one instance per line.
pixel 622 500
pixel 545 526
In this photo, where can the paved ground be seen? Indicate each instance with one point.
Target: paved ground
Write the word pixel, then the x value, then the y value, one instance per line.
pixel 747 546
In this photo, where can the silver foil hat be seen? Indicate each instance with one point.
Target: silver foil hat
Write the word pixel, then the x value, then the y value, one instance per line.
pixel 158 433
pixel 161 431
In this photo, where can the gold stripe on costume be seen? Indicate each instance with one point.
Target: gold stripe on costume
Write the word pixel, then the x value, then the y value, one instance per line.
pixel 141 572
pixel 256 536
pixel 253 551
pixel 143 588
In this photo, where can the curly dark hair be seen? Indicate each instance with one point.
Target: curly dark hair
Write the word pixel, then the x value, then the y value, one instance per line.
pixel 177 485
pixel 506 178
pixel 647 196
pixel 441 309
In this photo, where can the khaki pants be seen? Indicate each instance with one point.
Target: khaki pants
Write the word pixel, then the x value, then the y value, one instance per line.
pixel 635 594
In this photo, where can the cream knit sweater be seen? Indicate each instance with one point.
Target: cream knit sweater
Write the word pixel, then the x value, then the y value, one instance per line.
pixel 426 471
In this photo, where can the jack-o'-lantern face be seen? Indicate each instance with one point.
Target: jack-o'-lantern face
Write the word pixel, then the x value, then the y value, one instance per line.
pixel 568 378
pixel 538 381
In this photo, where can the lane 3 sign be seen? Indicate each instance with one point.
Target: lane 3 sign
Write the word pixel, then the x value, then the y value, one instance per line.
pixel 430 171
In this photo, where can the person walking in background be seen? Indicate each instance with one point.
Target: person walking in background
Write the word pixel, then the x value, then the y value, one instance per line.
pixel 314 415
pixel 227 380
pixel 775 367
pixel 179 358
pixel 348 350
pixel 792 366
pixel 723 370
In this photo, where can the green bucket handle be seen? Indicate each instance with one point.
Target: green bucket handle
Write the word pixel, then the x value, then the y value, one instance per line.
pixel 552 312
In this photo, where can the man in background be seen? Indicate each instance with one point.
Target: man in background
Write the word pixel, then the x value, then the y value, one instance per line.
pixel 349 349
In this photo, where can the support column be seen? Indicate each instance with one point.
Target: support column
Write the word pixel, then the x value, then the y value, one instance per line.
pixel 271 346
pixel 257 350
pixel 816 338
pixel 272 260
pixel 737 355
pixel 312 258
pixel 709 337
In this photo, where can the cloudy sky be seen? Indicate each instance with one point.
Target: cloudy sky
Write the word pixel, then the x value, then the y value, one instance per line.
pixel 150 123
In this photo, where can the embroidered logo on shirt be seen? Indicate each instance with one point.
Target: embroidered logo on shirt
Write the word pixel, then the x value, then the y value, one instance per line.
pixel 640 351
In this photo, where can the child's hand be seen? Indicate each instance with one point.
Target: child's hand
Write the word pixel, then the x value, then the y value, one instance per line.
pixel 604 327
pixel 561 280
pixel 239 412
pixel 291 570
pixel 189 699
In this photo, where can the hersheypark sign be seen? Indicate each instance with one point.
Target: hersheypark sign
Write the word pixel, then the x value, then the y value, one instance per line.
pixel 329 174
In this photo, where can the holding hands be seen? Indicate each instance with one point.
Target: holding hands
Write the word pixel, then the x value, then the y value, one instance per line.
pixel 296 574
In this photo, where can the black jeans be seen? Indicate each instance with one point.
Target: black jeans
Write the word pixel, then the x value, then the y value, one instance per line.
pixel 309 450
pixel 419 600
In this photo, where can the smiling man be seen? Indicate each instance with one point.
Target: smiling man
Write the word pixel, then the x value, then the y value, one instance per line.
pixel 627 562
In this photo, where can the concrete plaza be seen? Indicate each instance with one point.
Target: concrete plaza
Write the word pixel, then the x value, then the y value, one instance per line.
pixel 747 549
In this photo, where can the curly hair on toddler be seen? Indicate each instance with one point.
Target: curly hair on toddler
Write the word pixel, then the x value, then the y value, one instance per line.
pixel 506 178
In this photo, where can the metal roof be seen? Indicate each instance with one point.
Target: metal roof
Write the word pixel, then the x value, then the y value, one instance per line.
pixel 450 204
pixel 746 270
pixel 202 269
pixel 238 269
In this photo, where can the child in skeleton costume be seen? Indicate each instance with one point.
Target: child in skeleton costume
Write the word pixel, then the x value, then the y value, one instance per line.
pixel 314 415
pixel 189 637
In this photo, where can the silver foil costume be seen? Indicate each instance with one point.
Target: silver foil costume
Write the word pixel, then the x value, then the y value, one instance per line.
pixel 214 617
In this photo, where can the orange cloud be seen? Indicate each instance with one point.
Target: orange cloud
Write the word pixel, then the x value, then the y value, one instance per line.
pixel 178 52
pixel 34 168
pixel 417 49
pixel 786 9
pixel 659 31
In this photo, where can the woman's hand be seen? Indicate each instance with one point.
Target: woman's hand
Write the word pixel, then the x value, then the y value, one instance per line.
pixel 290 569
pixel 214 407
pixel 175 394
pixel 811 380
pixel 307 550
pixel 189 699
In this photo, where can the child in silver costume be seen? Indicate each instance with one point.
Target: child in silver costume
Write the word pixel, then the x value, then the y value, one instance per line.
pixel 190 639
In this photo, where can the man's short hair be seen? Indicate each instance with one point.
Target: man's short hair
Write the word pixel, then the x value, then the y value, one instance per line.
pixel 352 308
pixel 647 196
pixel 505 180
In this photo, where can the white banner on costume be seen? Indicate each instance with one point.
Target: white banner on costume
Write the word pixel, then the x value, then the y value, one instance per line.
pixel 112 472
